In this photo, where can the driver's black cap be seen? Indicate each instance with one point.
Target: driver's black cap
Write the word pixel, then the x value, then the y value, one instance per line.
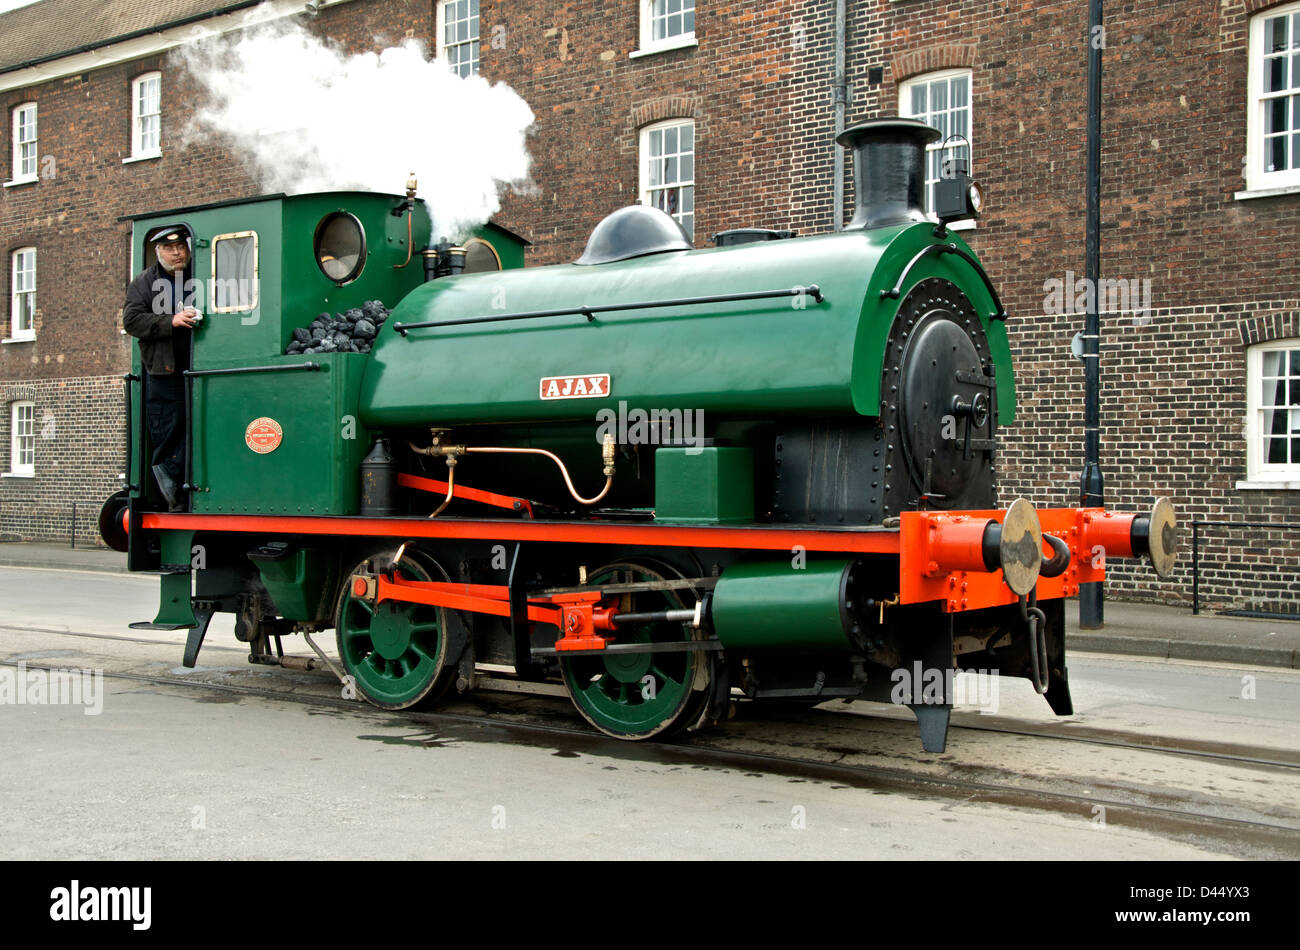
pixel 169 235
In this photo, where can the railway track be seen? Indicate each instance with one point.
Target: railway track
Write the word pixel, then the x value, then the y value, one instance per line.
pixel 1069 732
pixel 811 747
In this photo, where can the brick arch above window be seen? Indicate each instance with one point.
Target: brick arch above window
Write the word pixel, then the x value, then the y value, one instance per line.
pixel 1263 328
pixel 905 65
pixel 665 107
pixel 1251 7
pixel 14 394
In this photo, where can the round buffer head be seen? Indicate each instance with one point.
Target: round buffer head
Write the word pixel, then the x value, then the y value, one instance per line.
pixel 1021 549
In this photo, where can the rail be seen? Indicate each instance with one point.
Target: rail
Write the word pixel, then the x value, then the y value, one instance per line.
pixel 1196 567
pixel 812 290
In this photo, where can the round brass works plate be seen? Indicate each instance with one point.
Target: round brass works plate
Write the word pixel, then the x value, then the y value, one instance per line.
pixel 1021 551
pixel 1163 538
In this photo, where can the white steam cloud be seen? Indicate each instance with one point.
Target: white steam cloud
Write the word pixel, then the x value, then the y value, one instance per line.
pixel 305 116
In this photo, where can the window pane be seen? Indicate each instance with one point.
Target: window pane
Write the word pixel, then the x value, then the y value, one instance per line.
pixel 1272 392
pixel 674 6
pixel 236 272
pixel 1274 361
pixel 1275 74
pixel 688 22
pixel 939 96
pixel 1275 152
pixel 918 100
pixel 688 167
pixel 687 137
pixel 670 140
pixel 670 170
pixel 1275 39
pixel 960 92
pixel 1275 116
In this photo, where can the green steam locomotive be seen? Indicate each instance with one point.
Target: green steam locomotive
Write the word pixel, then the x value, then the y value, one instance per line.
pixel 671 479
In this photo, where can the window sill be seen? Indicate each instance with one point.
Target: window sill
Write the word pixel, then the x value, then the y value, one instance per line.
pixel 1267 192
pixel 17 474
pixel 1260 484
pixel 21 181
pixel 677 42
pixel 19 339
pixel 141 158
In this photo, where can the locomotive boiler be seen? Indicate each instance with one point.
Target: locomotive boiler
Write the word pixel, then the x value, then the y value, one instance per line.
pixel 672 479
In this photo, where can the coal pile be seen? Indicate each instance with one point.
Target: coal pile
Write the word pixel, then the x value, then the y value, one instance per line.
pixel 352 331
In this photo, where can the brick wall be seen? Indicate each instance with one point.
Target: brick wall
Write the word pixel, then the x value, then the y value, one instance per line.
pixel 571 63
pixel 79 454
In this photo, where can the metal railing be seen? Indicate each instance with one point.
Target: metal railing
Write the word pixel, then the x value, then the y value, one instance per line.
pixel 1196 566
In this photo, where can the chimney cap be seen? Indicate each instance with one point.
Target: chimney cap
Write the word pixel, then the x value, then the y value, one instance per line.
pixel 879 128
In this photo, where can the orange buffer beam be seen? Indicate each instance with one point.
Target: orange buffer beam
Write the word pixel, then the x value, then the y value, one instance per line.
pixel 963 583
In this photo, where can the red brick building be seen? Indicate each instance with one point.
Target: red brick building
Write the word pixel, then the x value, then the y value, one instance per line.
pixel 724 113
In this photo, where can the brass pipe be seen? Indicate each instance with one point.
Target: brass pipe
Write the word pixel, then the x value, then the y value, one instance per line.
pixel 411 186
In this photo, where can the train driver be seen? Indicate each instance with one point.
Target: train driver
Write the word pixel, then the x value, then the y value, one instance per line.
pixel 159 312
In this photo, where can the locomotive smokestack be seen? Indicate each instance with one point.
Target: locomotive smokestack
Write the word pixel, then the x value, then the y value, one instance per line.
pixel 888 171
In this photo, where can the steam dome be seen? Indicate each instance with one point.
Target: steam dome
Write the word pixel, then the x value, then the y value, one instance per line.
pixel 634 231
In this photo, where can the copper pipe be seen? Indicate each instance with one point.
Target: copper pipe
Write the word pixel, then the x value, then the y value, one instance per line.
pixel 408 243
pixel 451 486
pixel 451 451
pixel 609 469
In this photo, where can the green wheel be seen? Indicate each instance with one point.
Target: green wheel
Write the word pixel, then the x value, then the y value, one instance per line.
pixel 396 652
pixel 640 695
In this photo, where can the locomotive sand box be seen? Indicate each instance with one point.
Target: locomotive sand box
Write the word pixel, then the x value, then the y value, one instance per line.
pixel 670 478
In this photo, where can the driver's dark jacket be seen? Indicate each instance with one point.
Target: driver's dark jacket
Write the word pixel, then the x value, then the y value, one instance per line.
pixel 147 316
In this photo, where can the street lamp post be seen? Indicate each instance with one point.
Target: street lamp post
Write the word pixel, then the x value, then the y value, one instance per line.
pixel 1091 484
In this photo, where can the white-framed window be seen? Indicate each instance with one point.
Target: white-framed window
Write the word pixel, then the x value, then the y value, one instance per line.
pixel 665 25
pixel 1273 411
pixel 24 128
pixel 234 272
pixel 941 99
pixel 22 295
pixel 457 31
pixel 1273 120
pixel 146 116
pixel 668 170
pixel 22 438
